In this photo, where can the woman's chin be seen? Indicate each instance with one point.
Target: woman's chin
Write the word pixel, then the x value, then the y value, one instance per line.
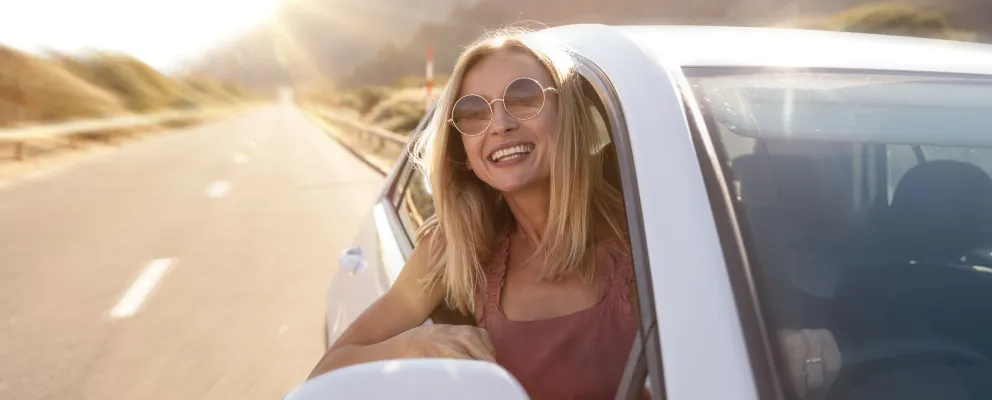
pixel 516 186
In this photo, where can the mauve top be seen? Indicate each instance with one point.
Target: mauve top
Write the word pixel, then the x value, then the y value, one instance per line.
pixel 576 356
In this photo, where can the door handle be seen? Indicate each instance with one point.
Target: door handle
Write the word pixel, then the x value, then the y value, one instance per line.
pixel 352 260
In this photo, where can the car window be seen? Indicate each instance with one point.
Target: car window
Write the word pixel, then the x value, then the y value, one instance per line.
pixel 864 202
pixel 415 204
pixel 402 180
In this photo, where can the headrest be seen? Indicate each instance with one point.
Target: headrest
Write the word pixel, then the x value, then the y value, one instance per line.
pixel 939 210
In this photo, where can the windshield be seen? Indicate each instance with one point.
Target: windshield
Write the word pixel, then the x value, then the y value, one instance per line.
pixel 865 203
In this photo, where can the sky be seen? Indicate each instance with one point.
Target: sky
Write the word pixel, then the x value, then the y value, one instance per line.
pixel 162 33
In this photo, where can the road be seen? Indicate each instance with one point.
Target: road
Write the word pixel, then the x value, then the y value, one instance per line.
pixel 193 265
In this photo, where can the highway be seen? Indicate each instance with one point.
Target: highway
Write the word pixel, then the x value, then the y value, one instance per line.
pixel 192 265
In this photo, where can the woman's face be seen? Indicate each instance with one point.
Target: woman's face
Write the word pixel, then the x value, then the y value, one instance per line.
pixel 511 154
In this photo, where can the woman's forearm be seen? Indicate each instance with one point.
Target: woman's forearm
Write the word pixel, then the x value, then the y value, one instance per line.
pixel 356 354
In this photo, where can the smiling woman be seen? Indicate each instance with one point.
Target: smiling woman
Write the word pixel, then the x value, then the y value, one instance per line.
pixel 527 239
pixel 160 32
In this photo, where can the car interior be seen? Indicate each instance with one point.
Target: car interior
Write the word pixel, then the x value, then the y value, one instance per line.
pixel 898 268
pixel 865 205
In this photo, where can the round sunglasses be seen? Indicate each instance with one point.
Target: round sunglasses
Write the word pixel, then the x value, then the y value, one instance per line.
pixel 522 99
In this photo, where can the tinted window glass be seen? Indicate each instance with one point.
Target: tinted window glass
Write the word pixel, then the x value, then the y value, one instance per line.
pixel 866 208
pixel 416 204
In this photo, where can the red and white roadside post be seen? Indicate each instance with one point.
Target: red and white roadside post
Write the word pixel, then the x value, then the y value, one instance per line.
pixel 429 100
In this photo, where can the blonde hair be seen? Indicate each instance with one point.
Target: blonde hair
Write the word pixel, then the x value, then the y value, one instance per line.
pixel 470 214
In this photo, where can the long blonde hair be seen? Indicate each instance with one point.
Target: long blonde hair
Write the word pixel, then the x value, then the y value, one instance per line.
pixel 470 214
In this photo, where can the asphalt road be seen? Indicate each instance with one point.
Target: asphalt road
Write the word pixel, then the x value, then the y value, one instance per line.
pixel 192 265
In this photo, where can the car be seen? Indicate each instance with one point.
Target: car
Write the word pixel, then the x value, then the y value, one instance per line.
pixel 777 181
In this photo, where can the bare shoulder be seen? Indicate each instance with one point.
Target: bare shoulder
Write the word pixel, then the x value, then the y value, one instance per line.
pixel 421 261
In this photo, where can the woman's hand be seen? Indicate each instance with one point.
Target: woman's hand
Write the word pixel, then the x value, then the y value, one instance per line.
pixel 447 341
pixel 812 357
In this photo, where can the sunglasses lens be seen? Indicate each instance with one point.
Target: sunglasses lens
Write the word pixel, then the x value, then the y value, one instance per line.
pixel 524 98
pixel 471 115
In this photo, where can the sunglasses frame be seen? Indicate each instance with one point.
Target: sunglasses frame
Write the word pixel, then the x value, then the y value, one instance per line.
pixel 492 112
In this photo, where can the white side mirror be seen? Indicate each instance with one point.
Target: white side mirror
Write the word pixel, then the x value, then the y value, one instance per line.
pixel 426 378
pixel 352 260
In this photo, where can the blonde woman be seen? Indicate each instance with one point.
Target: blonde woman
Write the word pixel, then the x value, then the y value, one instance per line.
pixel 528 236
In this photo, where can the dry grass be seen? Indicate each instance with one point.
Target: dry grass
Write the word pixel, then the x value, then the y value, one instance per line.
pixel 140 87
pixel 400 112
pixel 888 19
pixel 35 89
pixel 56 87
pixel 396 108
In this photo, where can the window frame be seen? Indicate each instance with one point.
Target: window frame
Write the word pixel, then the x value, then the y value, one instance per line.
pixel 765 358
pixel 398 182
pixel 644 362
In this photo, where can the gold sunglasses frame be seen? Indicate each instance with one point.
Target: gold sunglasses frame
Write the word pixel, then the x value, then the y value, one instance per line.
pixel 492 112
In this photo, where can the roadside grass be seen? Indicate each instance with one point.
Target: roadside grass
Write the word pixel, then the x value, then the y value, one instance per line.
pixel 54 88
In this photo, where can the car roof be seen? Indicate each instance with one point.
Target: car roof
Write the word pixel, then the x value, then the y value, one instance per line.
pixel 715 46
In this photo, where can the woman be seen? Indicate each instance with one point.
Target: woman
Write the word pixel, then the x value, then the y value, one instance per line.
pixel 528 236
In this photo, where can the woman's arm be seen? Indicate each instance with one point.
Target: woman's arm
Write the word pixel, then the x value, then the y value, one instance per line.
pixel 391 327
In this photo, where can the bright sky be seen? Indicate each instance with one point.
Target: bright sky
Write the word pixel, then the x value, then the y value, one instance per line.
pixel 160 32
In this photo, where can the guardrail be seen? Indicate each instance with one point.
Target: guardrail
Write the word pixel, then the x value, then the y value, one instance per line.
pixel 20 135
pixel 383 134
pixel 378 147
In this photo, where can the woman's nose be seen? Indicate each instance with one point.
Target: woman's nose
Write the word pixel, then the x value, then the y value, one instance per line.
pixel 502 121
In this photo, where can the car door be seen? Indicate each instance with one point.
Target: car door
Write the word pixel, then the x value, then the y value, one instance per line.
pixel 381 247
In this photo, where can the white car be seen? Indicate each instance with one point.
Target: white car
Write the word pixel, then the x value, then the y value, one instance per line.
pixel 777 181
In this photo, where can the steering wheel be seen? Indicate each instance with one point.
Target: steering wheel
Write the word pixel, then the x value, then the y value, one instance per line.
pixel 866 360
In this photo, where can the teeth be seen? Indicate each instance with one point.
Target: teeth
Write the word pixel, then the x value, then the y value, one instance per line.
pixel 511 152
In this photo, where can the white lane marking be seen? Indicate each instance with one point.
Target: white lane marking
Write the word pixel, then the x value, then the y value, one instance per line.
pixel 240 159
pixel 219 189
pixel 141 287
pixel 283 329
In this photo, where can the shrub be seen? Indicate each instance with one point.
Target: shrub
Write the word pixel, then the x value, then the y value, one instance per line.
pixel 896 19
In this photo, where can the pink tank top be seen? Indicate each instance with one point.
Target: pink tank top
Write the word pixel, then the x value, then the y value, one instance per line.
pixel 577 356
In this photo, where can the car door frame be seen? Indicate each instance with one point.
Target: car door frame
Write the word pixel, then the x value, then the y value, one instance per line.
pixel 696 346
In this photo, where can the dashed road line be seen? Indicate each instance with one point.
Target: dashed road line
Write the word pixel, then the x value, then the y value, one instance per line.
pixel 219 189
pixel 141 288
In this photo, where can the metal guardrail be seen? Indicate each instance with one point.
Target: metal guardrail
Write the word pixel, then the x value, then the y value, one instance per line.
pixel 21 134
pixel 375 131
pixel 377 147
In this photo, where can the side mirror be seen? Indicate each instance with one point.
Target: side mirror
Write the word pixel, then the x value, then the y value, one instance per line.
pixel 353 260
pixel 424 378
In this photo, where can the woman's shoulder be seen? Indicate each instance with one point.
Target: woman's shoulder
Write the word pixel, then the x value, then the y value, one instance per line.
pixel 613 244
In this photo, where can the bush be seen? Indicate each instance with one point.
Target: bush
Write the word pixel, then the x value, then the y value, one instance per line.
pixel 896 19
pixel 366 98
pixel 400 112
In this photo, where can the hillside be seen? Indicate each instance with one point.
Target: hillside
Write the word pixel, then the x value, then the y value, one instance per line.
pixel 55 87
pixel 361 42
pixel 33 89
